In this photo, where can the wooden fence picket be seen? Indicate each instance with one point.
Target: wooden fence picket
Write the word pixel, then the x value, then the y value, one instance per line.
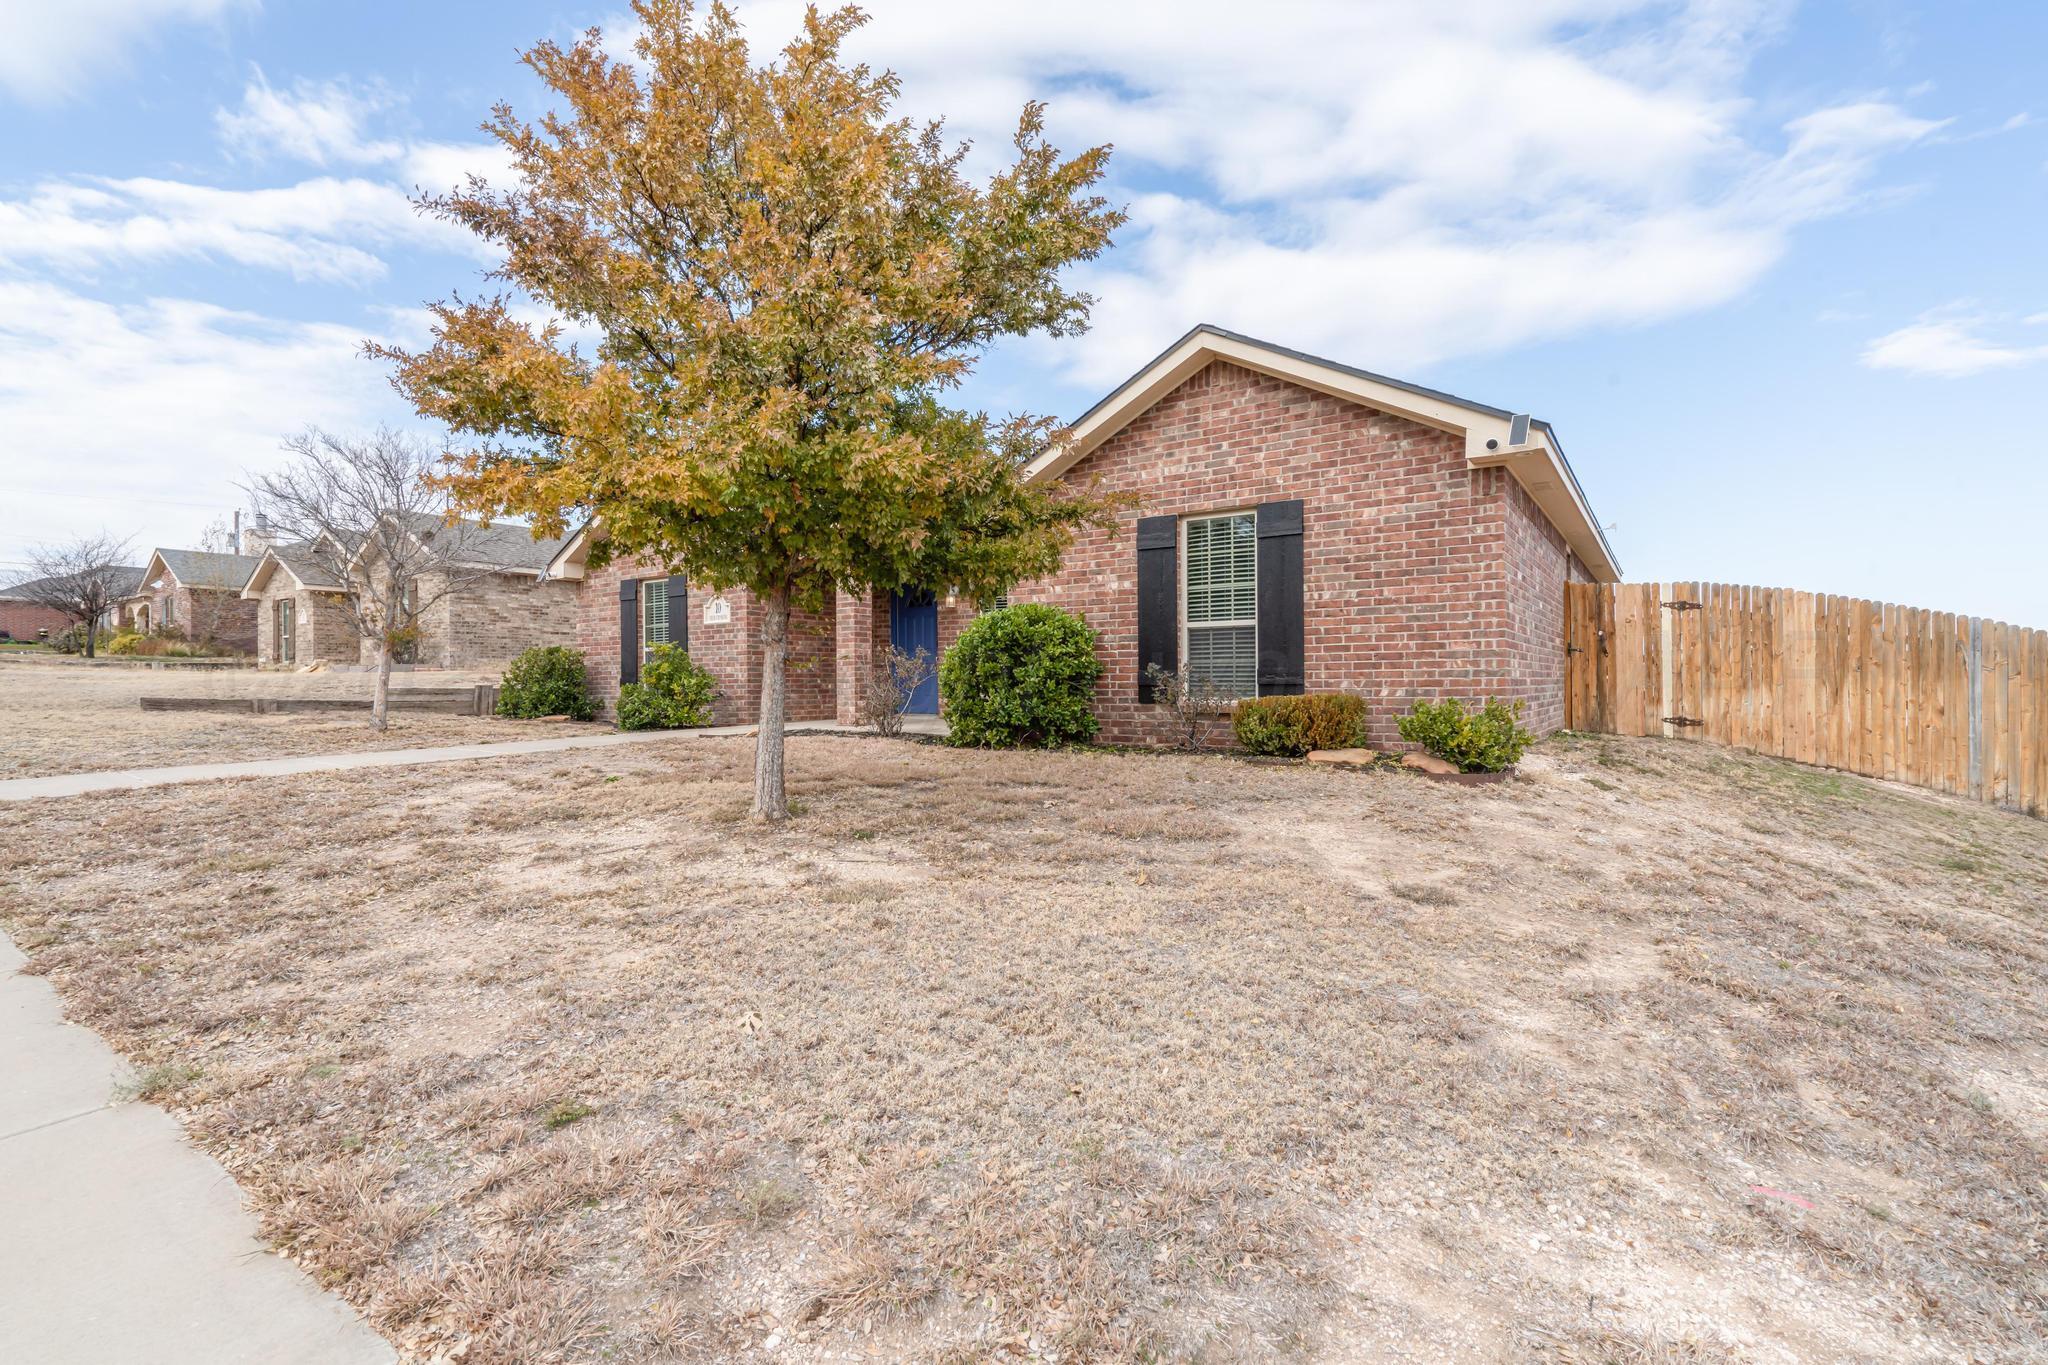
pixel 1939 700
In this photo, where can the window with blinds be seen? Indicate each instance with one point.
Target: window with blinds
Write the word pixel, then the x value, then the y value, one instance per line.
pixel 653 616
pixel 1220 590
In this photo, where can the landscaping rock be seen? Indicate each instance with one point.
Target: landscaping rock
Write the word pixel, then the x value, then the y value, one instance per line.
pixel 1360 756
pixel 1429 763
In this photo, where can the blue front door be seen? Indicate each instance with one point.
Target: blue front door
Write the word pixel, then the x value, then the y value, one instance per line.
pixel 914 625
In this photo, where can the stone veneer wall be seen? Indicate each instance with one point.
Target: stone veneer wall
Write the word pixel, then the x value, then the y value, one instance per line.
pixel 324 630
pixel 487 622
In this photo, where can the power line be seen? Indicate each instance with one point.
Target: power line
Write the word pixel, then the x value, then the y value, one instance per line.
pixel 101 497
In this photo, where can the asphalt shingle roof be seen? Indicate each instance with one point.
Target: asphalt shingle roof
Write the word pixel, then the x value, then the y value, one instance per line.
pixel 127 578
pixel 201 569
pixel 500 545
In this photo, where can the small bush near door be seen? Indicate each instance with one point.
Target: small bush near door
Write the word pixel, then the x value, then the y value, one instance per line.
pixel 887 685
pixel 1484 741
pixel 1021 677
pixel 1292 726
pixel 672 694
pixel 547 680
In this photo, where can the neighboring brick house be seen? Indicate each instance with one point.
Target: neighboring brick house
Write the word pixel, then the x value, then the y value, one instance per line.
pixel 302 612
pixel 1299 526
pixel 501 605
pixel 198 595
pixel 25 616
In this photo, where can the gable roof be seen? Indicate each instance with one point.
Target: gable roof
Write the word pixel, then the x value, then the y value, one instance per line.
pixel 1537 461
pixel 200 568
pixel 506 546
pixel 124 577
pixel 297 563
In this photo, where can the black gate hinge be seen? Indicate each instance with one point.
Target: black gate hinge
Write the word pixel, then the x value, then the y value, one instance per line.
pixel 1682 720
pixel 1680 606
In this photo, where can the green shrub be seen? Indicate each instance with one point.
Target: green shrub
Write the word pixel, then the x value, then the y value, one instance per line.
pixel 71 640
pixel 1293 726
pixel 1021 676
pixel 125 642
pixel 547 680
pixel 672 694
pixel 1483 741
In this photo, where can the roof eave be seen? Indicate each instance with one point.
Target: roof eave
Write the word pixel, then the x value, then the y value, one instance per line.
pixel 1477 423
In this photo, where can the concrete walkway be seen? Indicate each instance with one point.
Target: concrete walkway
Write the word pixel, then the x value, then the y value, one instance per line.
pixel 123 779
pixel 121 1241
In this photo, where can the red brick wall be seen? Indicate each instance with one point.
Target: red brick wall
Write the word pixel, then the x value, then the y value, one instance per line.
pixel 27 620
pixel 863 636
pixel 1406 547
pixel 1538 566
pixel 214 614
pixel 730 652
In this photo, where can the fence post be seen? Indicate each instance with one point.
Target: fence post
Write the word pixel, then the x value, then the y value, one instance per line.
pixel 1977 707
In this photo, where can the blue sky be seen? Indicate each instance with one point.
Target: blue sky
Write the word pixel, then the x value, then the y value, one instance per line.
pixel 1775 272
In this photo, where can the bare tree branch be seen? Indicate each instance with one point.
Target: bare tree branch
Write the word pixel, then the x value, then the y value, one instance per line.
pixel 360 510
pixel 83 578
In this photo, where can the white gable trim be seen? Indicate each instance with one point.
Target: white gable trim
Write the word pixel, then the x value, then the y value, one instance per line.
pixel 1537 464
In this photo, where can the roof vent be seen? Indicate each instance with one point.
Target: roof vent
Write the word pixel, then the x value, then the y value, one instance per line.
pixel 1518 429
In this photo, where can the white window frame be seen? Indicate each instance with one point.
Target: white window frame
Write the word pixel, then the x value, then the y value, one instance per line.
pixel 667 636
pixel 1181 605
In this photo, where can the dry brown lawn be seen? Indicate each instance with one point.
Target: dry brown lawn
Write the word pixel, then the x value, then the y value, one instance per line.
pixel 1661 1053
pixel 72 717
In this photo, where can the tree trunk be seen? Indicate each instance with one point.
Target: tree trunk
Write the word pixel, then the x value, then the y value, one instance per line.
pixel 92 628
pixel 771 800
pixel 380 699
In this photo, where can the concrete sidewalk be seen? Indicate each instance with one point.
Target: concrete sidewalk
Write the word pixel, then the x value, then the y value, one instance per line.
pixel 120 1241
pixel 123 779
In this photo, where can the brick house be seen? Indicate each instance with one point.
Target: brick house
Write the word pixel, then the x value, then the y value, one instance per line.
pixel 1308 526
pixel 196 594
pixel 1300 526
pixel 302 614
pixel 502 603
pixel 24 615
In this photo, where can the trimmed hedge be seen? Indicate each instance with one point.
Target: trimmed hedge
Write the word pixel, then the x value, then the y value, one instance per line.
pixel 1021 677
pixel 547 680
pixel 672 694
pixel 1292 726
pixel 1484 741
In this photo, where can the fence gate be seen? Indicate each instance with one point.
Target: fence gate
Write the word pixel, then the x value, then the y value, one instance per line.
pixel 1955 703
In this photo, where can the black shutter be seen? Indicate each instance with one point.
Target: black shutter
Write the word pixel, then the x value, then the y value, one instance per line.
pixel 629 631
pixel 1158 598
pixel 679 613
pixel 1280 599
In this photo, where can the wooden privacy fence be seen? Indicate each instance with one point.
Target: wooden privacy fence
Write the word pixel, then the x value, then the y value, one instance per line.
pixel 1955 703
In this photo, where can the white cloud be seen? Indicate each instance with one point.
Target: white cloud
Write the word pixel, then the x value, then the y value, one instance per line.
pixel 53 50
pixel 440 166
pixel 165 402
pixel 321 229
pixel 315 121
pixel 1393 182
pixel 1952 347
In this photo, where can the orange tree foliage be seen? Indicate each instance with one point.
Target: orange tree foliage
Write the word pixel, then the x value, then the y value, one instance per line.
pixel 785 282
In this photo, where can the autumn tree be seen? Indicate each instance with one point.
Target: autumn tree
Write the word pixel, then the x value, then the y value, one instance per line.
pixel 786 282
